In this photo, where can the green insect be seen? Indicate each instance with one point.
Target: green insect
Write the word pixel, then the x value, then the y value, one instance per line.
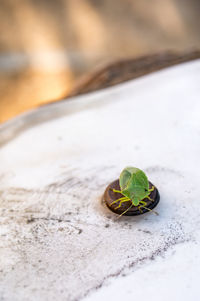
pixel 134 187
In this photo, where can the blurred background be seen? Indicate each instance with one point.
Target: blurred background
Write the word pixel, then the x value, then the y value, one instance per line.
pixel 47 45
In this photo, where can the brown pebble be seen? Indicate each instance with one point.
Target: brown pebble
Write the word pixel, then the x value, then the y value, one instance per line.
pixel 110 197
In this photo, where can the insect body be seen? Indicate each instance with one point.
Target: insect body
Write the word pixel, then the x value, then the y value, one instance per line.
pixel 134 187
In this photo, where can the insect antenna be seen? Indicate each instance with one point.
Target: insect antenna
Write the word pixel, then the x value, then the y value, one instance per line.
pixel 125 211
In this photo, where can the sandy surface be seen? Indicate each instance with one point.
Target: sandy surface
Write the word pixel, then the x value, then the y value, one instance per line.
pixel 58 240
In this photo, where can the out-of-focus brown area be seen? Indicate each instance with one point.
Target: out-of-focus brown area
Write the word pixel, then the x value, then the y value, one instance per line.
pixel 46 45
pixel 127 69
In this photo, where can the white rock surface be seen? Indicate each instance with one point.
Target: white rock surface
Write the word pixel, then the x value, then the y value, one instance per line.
pixel 58 241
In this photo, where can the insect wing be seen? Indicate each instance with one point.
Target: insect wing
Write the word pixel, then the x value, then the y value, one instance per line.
pixel 124 178
pixel 141 180
pixel 134 184
pixel 126 175
pixel 137 186
pixel 134 188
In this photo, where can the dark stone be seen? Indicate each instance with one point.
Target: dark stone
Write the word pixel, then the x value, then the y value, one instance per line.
pixel 110 197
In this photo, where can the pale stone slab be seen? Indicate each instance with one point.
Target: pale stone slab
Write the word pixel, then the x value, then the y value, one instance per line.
pixel 58 240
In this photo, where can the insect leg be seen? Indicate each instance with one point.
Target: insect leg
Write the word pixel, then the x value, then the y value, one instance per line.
pixel 114 190
pixel 140 209
pixel 125 211
pixel 150 199
pixel 156 213
pixel 120 199
pixel 143 203
pixel 152 188
pixel 123 201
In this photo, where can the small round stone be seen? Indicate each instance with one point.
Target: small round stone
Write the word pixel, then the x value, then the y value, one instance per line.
pixel 110 197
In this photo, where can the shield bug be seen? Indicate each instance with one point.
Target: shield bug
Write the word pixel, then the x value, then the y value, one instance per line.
pixel 134 187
